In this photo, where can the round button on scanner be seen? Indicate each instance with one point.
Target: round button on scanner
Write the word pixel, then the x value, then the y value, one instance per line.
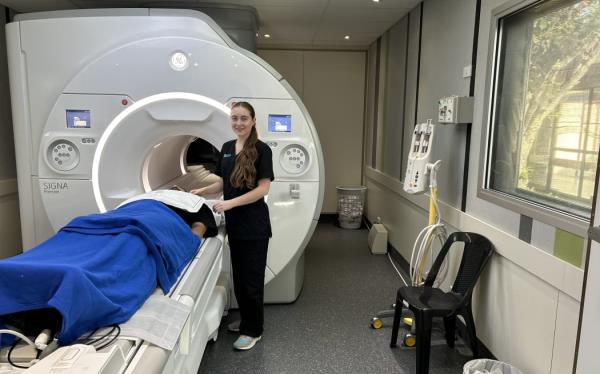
pixel 294 159
pixel 62 155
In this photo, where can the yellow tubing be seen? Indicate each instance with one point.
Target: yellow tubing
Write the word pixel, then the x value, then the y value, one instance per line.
pixel 432 211
pixel 432 215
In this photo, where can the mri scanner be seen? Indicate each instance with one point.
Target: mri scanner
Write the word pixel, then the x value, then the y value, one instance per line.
pixel 106 104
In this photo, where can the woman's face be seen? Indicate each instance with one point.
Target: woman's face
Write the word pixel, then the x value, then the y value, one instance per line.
pixel 241 121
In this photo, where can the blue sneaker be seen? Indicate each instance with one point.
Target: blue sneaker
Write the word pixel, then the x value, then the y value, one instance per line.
pixel 245 342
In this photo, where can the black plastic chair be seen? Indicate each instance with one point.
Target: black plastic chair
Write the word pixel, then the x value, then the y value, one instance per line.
pixel 427 302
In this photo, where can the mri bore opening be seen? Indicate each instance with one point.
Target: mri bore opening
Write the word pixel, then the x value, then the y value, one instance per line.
pixel 187 162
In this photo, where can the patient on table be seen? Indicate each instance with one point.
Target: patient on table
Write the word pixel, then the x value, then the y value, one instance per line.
pixel 100 268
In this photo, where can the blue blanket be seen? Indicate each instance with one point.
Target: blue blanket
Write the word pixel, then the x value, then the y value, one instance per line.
pixel 99 269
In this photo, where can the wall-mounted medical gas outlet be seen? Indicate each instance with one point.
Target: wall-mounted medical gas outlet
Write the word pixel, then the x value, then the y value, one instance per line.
pixel 415 180
pixel 455 109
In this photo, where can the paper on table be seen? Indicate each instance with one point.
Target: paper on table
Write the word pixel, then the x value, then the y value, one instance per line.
pixel 159 321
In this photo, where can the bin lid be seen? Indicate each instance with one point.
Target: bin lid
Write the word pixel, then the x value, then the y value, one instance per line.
pixel 351 188
pixel 483 365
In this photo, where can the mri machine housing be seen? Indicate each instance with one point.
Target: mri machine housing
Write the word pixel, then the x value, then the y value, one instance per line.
pixel 73 72
pixel 104 108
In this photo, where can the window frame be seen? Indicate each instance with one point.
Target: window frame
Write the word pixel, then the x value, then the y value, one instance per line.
pixel 552 216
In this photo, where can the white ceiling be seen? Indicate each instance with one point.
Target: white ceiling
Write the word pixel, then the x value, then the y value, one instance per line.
pixel 291 23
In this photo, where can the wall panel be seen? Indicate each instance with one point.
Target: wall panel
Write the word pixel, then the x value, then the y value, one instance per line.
pixel 332 86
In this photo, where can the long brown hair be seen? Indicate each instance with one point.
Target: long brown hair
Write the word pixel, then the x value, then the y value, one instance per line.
pixel 244 171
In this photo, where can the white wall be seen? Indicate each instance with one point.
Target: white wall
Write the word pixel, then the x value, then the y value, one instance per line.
pixel 10 226
pixel 526 304
pixel 332 86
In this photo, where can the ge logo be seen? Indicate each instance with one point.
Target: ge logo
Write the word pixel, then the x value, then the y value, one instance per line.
pixel 179 61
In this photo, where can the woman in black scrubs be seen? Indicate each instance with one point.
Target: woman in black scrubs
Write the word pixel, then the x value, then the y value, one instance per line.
pixel 246 171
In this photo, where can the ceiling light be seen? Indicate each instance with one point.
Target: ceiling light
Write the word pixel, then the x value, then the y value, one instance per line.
pixel 267 36
pixel 375 1
pixel 347 37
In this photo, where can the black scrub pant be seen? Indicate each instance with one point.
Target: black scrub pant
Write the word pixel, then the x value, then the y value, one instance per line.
pixel 248 259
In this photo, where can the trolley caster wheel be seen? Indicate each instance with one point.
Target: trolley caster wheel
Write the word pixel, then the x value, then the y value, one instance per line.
pixel 376 323
pixel 409 340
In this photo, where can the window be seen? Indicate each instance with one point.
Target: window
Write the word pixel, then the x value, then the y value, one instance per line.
pixel 545 112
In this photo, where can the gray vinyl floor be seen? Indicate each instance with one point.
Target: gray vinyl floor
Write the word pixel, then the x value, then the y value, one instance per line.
pixel 327 329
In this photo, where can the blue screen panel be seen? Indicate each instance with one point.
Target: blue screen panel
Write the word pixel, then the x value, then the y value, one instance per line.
pixel 280 123
pixel 78 119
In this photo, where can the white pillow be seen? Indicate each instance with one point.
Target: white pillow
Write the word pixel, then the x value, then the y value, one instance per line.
pixel 179 199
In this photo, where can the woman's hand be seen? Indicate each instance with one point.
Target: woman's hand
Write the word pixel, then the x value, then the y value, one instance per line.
pixel 198 191
pixel 223 206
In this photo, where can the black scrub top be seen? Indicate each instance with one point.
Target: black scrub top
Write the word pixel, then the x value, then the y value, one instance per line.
pixel 250 221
